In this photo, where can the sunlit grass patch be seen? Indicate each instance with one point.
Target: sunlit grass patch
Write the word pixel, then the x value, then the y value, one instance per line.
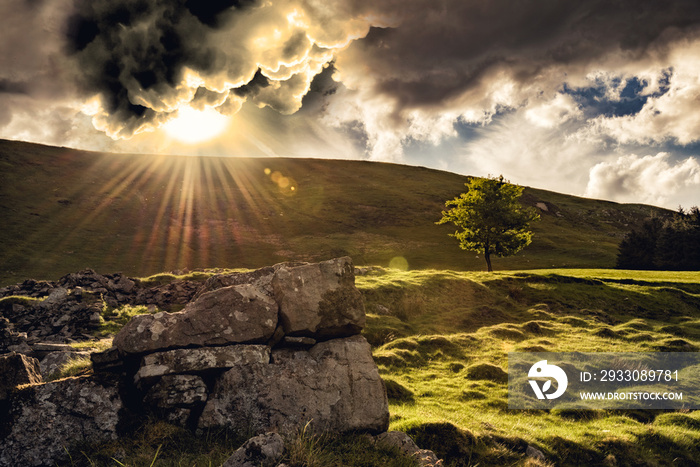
pixel 78 366
pixel 93 345
pixel 382 329
pixel 113 319
pixel 460 379
pixel 19 300
pixel 679 420
pixel 164 278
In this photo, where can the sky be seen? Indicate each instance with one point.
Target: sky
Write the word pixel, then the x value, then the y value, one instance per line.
pixel 592 98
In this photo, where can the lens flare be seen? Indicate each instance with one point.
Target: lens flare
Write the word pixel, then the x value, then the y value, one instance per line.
pixel 399 262
pixel 286 185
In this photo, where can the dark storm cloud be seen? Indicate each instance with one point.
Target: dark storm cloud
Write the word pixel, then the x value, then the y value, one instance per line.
pixel 33 74
pixel 211 12
pixel 145 59
pixel 133 54
pixel 254 86
pixel 441 50
pixel 14 87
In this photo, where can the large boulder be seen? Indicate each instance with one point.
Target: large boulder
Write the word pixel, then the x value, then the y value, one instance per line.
pixel 230 315
pixel 335 386
pixel 16 369
pixel 176 397
pixel 46 419
pixel 319 300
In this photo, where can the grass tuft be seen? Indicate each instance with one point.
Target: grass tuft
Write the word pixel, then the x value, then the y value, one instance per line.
pixel 446 440
pixel 398 393
pixel 115 319
pixel 78 366
pixel 93 345
pixel 487 372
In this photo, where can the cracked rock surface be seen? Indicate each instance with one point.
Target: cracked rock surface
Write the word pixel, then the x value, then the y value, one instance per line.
pixel 230 315
pixel 50 416
pixel 335 385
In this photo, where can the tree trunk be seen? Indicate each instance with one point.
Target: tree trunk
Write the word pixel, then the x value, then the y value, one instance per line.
pixel 487 255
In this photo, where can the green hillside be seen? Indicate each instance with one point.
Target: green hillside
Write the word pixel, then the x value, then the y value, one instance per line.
pixel 441 340
pixel 64 210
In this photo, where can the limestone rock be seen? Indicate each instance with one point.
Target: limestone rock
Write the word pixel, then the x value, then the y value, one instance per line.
pixel 42 349
pixel 261 451
pixel 16 369
pixel 56 297
pixel 235 314
pixel 289 341
pixel 177 391
pixel 200 360
pixel 406 445
pixel 534 453
pixel 335 385
pixel 107 360
pixel 260 278
pixel 10 339
pixel 319 300
pixel 178 416
pixel 47 417
pixel 398 439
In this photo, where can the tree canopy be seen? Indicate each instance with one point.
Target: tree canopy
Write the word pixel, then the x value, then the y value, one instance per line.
pixel 490 219
pixel 670 244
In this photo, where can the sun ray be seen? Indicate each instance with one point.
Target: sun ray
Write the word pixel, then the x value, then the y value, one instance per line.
pixel 118 185
pixel 158 240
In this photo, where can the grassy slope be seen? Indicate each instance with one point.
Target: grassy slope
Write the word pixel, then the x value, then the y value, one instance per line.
pixel 64 210
pixel 443 337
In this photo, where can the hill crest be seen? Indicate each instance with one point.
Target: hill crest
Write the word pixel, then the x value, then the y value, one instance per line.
pixel 66 210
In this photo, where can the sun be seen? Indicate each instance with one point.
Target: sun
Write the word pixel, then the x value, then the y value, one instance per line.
pixel 195 126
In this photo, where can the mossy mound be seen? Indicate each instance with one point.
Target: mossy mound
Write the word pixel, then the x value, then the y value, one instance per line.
pixel 487 371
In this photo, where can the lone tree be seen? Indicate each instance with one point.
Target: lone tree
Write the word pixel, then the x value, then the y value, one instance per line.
pixel 490 218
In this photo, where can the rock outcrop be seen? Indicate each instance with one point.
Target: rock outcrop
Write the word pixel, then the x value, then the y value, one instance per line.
pixel 44 419
pixel 232 315
pixel 272 350
pixel 334 386
pixel 280 346
pixel 319 300
pixel 406 445
pixel 70 308
pixel 15 370
pixel 200 360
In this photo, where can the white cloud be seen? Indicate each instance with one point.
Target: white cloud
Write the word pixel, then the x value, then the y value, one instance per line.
pixel 648 179
pixel 531 154
pixel 673 116
pixel 553 113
